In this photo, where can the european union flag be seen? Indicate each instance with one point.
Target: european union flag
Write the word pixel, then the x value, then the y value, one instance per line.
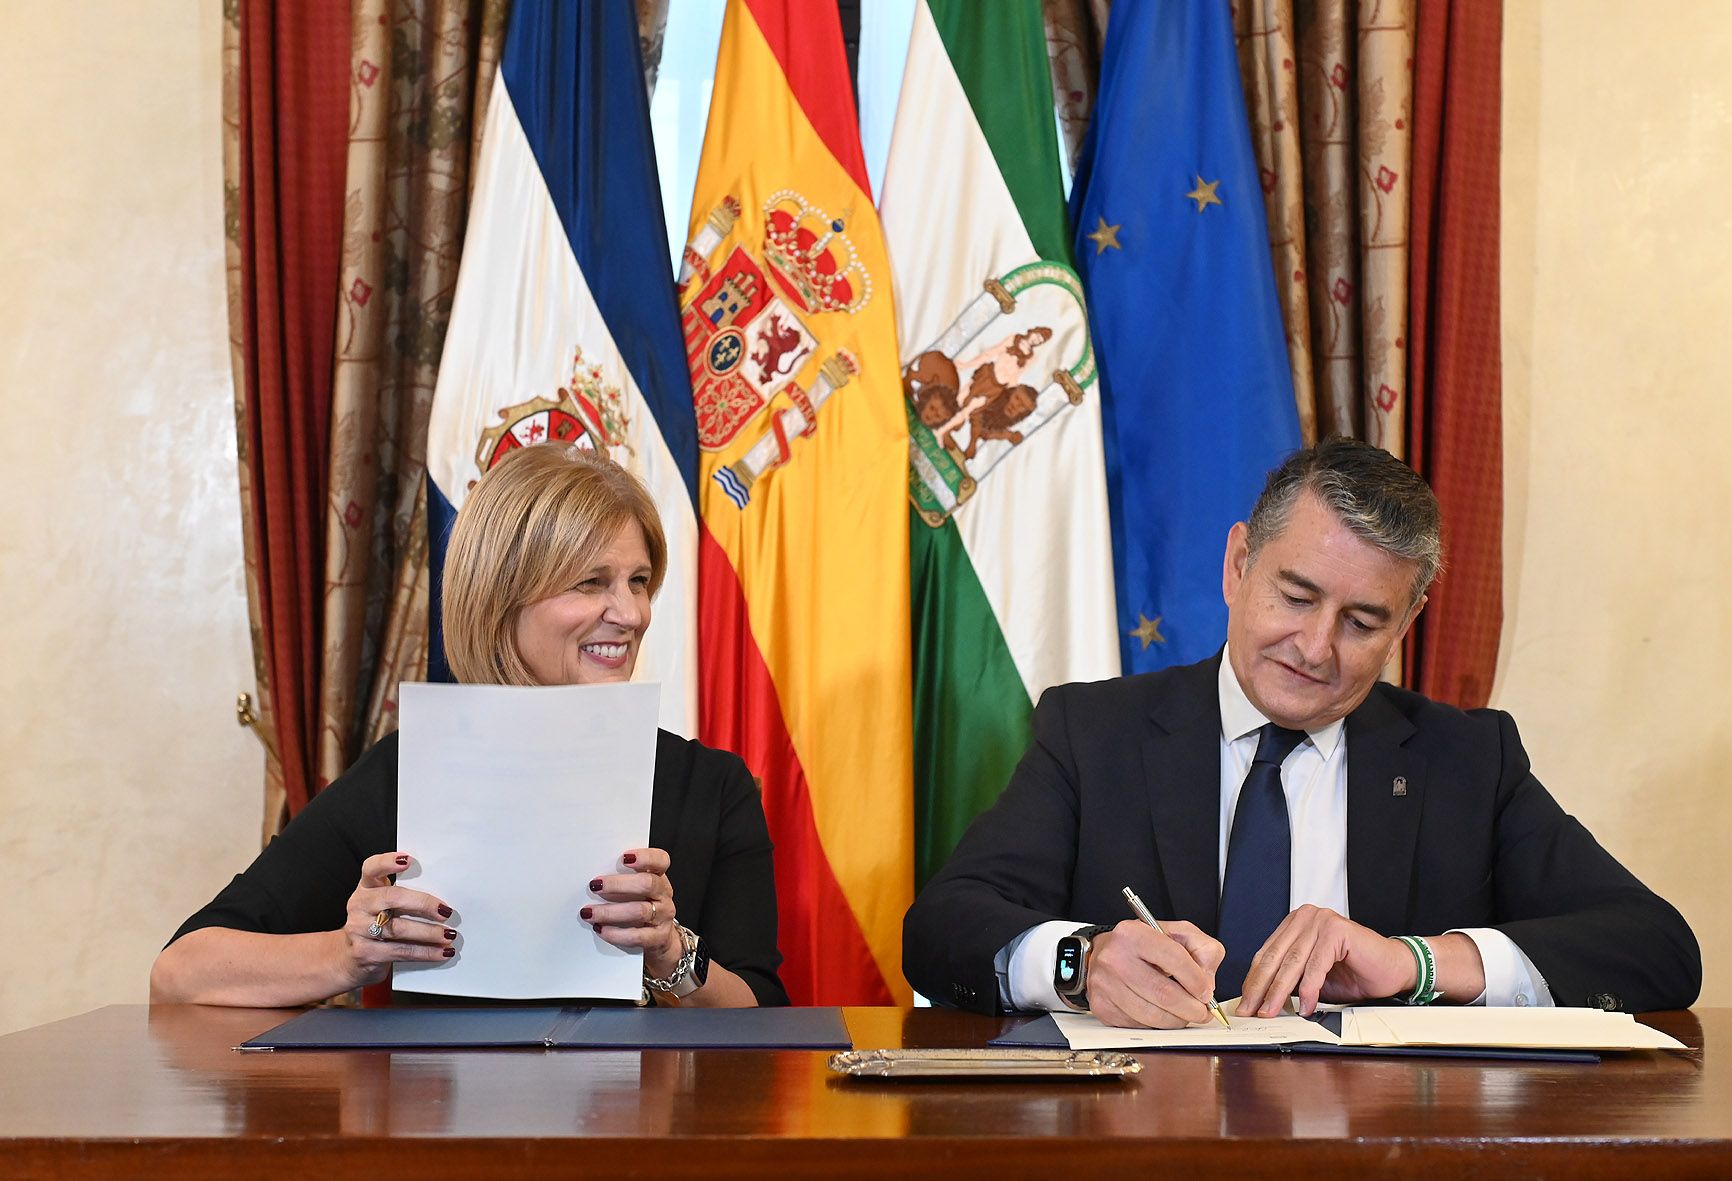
pixel 1197 399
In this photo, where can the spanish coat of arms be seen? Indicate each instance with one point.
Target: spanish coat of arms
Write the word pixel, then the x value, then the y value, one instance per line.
pixel 745 318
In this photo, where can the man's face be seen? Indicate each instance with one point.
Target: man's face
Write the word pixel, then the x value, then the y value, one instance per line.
pixel 1314 618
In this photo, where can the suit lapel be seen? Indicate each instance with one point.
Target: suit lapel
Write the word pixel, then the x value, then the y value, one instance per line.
pixel 1182 774
pixel 1385 797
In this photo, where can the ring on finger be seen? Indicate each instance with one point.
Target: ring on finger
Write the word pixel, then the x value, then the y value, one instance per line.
pixel 652 918
pixel 381 923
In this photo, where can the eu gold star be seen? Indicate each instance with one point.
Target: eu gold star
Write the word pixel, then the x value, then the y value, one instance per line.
pixel 1204 194
pixel 1105 236
pixel 1148 631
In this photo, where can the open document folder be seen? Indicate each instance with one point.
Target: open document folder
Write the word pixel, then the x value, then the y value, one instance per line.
pixel 1386 1027
pixel 511 799
pixel 558 1029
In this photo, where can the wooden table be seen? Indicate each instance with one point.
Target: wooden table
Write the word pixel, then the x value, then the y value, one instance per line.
pixel 134 1091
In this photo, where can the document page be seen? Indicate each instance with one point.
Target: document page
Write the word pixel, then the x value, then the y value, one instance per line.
pixel 511 800
pixel 1386 1026
pixel 1085 1031
pixel 1491 1028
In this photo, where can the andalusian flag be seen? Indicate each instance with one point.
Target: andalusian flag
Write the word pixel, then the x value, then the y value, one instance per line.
pixel 791 338
pixel 1011 552
pixel 564 325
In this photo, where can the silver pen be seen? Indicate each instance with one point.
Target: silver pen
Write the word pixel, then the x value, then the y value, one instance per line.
pixel 1142 912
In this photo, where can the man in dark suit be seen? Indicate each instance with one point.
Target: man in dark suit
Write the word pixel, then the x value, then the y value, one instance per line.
pixel 1298 826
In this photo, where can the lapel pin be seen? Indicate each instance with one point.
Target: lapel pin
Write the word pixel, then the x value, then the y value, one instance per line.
pixel 1399 787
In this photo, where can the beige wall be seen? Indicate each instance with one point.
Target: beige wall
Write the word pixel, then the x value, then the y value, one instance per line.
pixel 1617 320
pixel 127 792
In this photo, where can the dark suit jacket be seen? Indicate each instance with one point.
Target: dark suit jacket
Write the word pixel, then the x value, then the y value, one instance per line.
pixel 1121 786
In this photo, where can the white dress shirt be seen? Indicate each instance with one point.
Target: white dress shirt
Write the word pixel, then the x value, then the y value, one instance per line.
pixel 1314 779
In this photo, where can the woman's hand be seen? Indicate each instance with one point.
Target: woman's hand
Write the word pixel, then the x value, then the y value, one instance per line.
pixel 637 911
pixel 403 936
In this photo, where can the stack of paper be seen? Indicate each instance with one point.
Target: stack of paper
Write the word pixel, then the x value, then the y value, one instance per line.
pixel 1385 1026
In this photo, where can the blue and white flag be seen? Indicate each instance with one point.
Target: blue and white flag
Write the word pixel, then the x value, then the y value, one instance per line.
pixel 1171 242
pixel 564 324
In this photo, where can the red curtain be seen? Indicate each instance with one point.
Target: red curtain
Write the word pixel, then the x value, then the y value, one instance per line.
pixel 294 121
pixel 1455 376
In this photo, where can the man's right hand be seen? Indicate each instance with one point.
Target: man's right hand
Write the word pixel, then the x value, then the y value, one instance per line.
pixel 1139 977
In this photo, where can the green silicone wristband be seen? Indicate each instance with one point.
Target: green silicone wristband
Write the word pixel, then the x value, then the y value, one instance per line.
pixel 1424 990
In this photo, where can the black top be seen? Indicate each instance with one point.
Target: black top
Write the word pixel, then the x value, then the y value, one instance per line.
pixel 1447 827
pixel 704 810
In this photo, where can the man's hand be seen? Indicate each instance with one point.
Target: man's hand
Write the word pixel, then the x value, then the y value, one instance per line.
pixel 1322 955
pixel 1139 977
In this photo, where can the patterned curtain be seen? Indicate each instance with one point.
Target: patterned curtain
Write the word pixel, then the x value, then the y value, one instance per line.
pixel 1076 32
pixel 652 27
pixel 1329 89
pixel 420 72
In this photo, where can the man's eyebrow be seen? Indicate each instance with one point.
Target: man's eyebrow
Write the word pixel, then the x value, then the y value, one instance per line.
pixel 1376 610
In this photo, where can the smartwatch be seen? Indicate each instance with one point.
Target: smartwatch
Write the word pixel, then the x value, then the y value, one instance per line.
pixel 700 972
pixel 1070 970
pixel 690 973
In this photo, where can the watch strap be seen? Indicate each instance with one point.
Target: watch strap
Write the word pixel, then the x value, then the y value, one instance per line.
pixel 700 969
pixel 683 970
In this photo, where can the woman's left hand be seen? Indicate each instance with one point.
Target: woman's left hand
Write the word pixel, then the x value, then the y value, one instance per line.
pixel 637 909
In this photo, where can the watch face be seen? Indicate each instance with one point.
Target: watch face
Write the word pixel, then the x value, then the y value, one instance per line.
pixel 701 962
pixel 1067 973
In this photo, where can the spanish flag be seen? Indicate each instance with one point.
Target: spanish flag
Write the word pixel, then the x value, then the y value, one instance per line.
pixel 803 616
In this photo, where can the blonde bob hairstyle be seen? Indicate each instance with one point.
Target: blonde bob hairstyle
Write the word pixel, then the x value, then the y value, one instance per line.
pixel 530 527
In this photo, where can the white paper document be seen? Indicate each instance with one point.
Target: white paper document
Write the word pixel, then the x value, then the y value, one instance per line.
pixel 511 800
pixel 1511 1028
pixel 1387 1026
pixel 1085 1031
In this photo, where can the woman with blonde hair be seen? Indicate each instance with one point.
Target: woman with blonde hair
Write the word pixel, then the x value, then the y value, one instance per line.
pixel 551 569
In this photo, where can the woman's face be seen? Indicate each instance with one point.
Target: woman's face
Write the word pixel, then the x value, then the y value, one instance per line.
pixel 589 634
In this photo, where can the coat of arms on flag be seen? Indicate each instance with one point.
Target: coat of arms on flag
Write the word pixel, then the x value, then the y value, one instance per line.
pixel 747 339
pixel 586 412
pixel 1017 355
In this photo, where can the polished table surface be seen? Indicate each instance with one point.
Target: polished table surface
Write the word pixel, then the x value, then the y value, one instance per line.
pixel 132 1090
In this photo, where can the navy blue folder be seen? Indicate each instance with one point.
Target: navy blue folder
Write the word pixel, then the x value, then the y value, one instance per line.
pixel 1044 1033
pixel 558 1028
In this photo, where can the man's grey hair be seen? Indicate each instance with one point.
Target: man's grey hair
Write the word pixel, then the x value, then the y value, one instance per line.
pixel 1375 495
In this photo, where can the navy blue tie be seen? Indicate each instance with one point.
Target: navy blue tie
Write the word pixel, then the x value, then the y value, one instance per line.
pixel 1254 894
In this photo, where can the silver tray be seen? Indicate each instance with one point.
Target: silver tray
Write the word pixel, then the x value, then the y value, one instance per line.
pixel 983 1064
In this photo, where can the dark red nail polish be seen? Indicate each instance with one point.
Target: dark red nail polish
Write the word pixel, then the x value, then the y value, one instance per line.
pixel 449 952
pixel 586 913
pixel 402 861
pixel 444 912
pixel 595 884
pixel 630 859
pixel 450 934
pixel 596 927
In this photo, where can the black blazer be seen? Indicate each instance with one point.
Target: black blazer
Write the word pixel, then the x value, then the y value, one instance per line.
pixel 1121 786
